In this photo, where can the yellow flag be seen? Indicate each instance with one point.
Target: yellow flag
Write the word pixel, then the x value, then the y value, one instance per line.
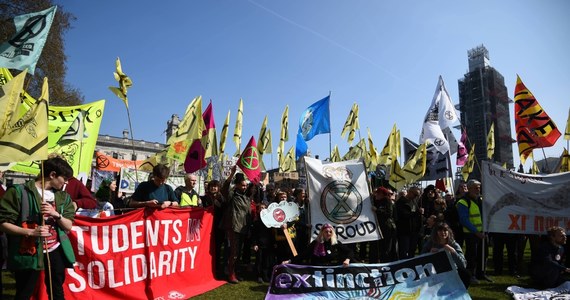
pixel 372 153
pixel 398 149
pixel 534 169
pixel 23 138
pixel 192 124
pixel 504 165
pixel 158 158
pixel 335 156
pixel 387 154
pixel 289 164
pixel 264 140
pixel 567 130
pixel 468 167
pixel 415 168
pixel 238 128
pixel 189 129
pixel 491 141
pixel 284 136
pixel 351 124
pixel 564 161
pixel 356 152
pixel 224 135
pixel 125 83
pixel 397 178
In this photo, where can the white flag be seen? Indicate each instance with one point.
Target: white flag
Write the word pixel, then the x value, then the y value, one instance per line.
pixel 341 198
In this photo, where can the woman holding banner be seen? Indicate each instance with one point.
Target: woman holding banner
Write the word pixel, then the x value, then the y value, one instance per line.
pixel 325 250
pixel 441 238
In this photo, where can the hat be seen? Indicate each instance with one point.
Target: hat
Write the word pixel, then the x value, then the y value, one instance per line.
pixel 383 191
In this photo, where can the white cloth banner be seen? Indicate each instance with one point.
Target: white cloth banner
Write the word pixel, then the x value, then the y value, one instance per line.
pixel 522 203
pixel 559 293
pixel 339 195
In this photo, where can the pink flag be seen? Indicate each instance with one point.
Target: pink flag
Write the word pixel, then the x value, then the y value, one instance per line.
pixel 249 163
pixel 195 159
pixel 462 153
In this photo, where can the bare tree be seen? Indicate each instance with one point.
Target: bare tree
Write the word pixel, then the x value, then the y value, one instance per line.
pixel 52 62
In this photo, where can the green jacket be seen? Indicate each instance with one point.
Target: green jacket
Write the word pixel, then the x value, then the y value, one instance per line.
pixel 11 212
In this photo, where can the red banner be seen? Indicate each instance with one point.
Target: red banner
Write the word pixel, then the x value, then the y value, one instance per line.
pixel 108 163
pixel 144 254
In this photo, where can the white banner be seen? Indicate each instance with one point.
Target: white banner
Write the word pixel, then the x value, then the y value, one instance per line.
pixel 522 203
pixel 339 195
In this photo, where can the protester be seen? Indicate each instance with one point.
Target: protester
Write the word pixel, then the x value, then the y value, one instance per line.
pixel 442 238
pixel 547 268
pixel 155 192
pixel 408 223
pixel 325 250
pixel 283 249
pixel 214 198
pixel 500 240
pixel 81 196
pixel 37 229
pixel 118 198
pixel 262 240
pixel 427 201
pixel 384 250
pixel 468 209
pixel 186 193
pixel 252 192
pixel 104 196
pixel 303 225
pixel 234 221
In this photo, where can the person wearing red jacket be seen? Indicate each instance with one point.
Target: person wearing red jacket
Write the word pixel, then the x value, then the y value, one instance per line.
pixel 81 196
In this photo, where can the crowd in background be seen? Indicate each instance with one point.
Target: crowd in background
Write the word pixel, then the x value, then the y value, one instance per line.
pixel 412 221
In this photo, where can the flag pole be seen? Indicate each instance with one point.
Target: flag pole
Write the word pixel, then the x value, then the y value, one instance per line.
pixel 330 133
pixel 133 158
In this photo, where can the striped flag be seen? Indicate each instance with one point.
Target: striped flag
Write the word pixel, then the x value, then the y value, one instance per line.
pixel 534 128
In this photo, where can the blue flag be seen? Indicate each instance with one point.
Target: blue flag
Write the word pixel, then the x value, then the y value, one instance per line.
pixel 314 120
pixel 23 49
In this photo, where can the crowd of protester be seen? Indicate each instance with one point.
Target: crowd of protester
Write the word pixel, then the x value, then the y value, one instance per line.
pixel 412 221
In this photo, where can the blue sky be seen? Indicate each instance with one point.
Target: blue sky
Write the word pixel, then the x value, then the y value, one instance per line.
pixel 384 55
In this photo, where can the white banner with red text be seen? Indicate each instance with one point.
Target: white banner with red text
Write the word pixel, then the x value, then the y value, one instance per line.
pixel 339 194
pixel 522 203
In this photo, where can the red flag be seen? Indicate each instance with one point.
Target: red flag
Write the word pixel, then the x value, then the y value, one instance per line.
pixel 195 159
pixel 249 162
pixel 535 129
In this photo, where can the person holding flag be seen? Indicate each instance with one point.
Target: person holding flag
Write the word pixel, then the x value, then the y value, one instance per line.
pixel 36 216
pixel 234 221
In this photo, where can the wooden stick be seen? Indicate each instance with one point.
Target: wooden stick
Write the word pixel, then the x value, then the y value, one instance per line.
pixel 290 241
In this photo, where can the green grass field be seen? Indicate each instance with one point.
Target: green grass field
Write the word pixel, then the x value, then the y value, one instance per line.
pixel 250 289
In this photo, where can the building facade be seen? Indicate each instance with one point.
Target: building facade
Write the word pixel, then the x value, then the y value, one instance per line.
pixel 483 100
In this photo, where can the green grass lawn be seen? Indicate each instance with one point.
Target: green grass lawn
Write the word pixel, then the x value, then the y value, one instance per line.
pixel 250 289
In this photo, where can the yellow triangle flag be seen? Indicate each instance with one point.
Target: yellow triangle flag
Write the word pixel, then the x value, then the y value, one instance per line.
pixel 125 83
pixel 289 164
pixel 335 156
pixel 387 154
pixel 284 136
pixel 23 138
pixel 356 152
pixel 468 167
pixel 189 129
pixel 415 168
pixel 491 141
pixel 264 145
pixel 397 178
pixel 224 135
pixel 351 124
pixel 238 128
pixel 564 161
